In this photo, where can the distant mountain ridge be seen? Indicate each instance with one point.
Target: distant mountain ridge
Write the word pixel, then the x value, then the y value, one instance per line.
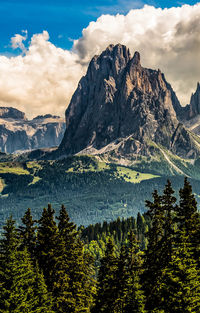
pixel 9 112
pixel 123 110
pixel 18 134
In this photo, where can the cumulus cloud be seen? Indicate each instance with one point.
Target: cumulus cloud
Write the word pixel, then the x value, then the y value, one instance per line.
pixel 168 39
pixel 17 41
pixel 43 79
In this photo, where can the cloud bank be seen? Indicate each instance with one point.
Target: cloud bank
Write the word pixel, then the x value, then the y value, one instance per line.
pixel 43 78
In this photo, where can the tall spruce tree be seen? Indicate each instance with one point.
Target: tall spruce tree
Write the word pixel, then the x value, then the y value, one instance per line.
pixel 188 219
pixel 121 281
pixel 177 283
pixel 169 207
pixel 151 277
pixel 27 233
pixel 79 266
pixel 43 299
pixel 106 287
pixel 50 255
pixel 17 275
pixel 135 299
pixel 180 289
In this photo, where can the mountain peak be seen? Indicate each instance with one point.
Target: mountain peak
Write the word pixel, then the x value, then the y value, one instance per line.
pixel 119 98
pixel 118 49
pixel 117 53
pixel 194 107
pixel 109 63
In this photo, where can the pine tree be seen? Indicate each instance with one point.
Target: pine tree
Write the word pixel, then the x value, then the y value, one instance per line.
pixel 180 289
pixel 135 299
pixel 151 277
pixel 43 299
pixel 175 278
pixel 188 219
pixel 121 281
pixel 27 233
pixel 180 280
pixel 79 266
pixel 17 275
pixel 141 227
pixel 106 288
pixel 49 247
pixel 169 208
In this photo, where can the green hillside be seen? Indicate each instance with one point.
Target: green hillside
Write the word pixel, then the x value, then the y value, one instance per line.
pixel 92 190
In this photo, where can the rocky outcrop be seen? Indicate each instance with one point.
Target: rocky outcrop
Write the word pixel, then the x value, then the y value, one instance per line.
pixel 191 116
pixel 184 143
pixel 194 108
pixel 121 105
pixel 12 113
pixel 18 134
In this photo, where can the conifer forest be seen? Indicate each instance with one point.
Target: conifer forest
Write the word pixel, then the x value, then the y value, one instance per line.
pixel 99 156
pixel 136 265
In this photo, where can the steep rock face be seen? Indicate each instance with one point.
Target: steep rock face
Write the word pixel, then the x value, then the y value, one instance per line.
pixel 194 108
pixel 184 143
pixel 191 118
pixel 19 134
pixel 119 104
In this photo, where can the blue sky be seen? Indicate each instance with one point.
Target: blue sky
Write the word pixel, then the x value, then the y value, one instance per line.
pixel 63 19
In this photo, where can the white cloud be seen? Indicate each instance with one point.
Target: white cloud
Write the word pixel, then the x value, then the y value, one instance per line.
pixel 168 39
pixel 43 79
pixel 17 41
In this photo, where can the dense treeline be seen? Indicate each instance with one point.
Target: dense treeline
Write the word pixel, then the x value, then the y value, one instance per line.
pixel 163 278
pixel 48 269
pixel 118 229
pixel 95 237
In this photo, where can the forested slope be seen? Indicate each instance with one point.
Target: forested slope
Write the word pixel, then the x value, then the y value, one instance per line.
pixel 91 190
pixel 46 267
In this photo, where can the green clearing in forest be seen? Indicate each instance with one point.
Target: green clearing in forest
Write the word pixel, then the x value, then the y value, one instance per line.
pixel 132 176
pixel 6 168
pixel 128 174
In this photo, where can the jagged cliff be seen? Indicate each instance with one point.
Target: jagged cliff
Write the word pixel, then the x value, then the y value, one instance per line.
pixel 123 107
pixel 191 116
pixel 194 108
pixel 17 133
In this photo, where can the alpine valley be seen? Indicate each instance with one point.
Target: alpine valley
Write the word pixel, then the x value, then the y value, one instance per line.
pixel 126 133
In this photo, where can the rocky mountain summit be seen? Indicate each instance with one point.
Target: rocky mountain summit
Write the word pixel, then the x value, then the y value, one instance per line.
pixel 18 134
pixel 124 110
